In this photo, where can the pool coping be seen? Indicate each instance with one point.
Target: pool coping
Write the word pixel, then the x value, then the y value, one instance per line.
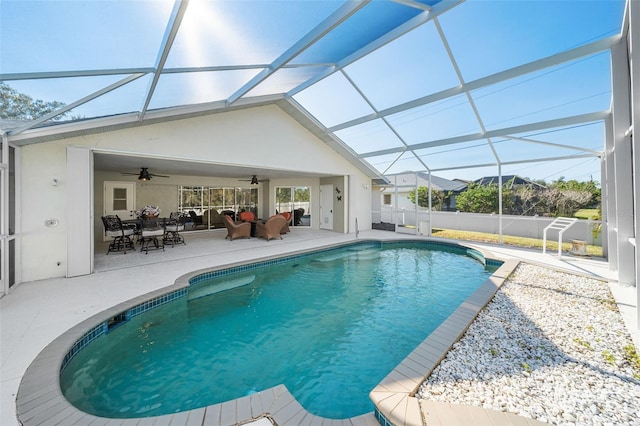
pixel 395 396
pixel 40 401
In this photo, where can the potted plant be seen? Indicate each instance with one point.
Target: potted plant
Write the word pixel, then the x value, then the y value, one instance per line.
pixel 148 212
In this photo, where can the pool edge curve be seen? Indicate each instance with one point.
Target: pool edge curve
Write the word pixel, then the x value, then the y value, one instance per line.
pixel 40 400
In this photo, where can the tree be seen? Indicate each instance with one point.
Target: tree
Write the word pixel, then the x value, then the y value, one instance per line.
pixel 483 199
pixel 437 197
pixel 526 200
pixel 573 186
pixel 566 202
pixel 19 106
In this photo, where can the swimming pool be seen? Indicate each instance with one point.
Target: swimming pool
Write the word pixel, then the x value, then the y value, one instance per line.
pixel 246 306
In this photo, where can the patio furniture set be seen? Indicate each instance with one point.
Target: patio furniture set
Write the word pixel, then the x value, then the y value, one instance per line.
pixel 248 226
pixel 152 233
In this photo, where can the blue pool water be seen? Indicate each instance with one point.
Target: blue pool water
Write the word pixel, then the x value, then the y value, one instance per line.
pixel 329 326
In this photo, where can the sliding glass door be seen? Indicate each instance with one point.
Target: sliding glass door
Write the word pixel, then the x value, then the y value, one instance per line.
pixel 297 200
pixel 206 206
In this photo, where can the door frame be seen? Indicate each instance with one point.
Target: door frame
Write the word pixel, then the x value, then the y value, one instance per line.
pixel 326 196
pixel 107 196
pixel 10 259
pixel 107 199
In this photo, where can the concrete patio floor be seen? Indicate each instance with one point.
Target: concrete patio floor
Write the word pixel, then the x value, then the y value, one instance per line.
pixel 35 313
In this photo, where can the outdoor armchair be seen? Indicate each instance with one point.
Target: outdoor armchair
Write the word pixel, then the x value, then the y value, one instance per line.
pixel 236 230
pixel 287 218
pixel 247 216
pixel 271 228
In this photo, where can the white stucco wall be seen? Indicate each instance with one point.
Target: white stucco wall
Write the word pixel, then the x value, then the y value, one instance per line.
pixel 262 137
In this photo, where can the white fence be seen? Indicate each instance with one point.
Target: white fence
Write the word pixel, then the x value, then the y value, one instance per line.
pixel 519 226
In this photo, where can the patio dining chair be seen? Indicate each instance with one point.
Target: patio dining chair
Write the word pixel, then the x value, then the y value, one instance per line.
pixel 121 234
pixel 150 230
pixel 172 228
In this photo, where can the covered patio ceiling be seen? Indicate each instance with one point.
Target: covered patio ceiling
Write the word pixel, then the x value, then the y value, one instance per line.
pixel 129 164
pixel 448 86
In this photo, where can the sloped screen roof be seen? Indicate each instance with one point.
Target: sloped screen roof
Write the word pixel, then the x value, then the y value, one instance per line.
pixel 452 87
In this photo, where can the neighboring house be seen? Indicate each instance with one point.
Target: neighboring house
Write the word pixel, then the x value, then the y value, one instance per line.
pixel 509 181
pixel 513 182
pixel 396 194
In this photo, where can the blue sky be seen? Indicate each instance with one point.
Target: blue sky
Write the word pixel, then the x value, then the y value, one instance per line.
pixel 484 37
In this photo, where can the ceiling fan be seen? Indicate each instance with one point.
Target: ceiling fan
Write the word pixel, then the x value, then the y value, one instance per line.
pixel 253 180
pixel 144 174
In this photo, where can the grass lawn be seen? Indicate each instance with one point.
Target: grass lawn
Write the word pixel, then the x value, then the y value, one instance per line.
pixel 509 240
pixel 587 214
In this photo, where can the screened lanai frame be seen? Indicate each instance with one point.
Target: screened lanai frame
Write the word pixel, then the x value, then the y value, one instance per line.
pixel 301 61
pixel 294 57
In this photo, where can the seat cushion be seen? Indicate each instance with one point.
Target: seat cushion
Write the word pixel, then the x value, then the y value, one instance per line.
pixel 129 231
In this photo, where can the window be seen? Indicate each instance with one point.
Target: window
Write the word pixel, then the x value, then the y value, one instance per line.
pixel 192 198
pixel 204 200
pixel 386 199
pixel 297 200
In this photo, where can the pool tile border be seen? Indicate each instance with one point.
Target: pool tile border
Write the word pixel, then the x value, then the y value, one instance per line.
pixel 41 402
pixel 395 396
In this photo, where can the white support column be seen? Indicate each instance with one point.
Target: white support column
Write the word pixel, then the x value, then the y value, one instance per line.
pixel 609 198
pixel 430 229
pixel 4 216
pixel 395 203
pixel 603 207
pixel 416 205
pixel 499 203
pixel 622 157
pixel 634 71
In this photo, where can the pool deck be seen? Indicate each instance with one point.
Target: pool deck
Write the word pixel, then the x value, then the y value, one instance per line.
pixel 37 313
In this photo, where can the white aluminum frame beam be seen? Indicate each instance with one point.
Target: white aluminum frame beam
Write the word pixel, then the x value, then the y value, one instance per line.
pixel 557 145
pixel 342 14
pixel 559 122
pixel 609 195
pixel 623 163
pixel 540 64
pixel 144 70
pixel 633 35
pixel 75 104
pixel 4 215
pixel 386 122
pixel 511 163
pixel 175 19
pixel 399 31
pixel 476 113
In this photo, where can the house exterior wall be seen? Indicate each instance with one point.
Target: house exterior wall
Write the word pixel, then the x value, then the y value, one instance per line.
pixel 358 200
pixel 264 137
pixel 400 202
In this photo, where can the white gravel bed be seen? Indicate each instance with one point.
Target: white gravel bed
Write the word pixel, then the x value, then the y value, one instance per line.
pixel 550 346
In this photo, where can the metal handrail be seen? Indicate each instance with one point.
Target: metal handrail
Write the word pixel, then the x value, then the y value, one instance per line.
pixel 562 224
